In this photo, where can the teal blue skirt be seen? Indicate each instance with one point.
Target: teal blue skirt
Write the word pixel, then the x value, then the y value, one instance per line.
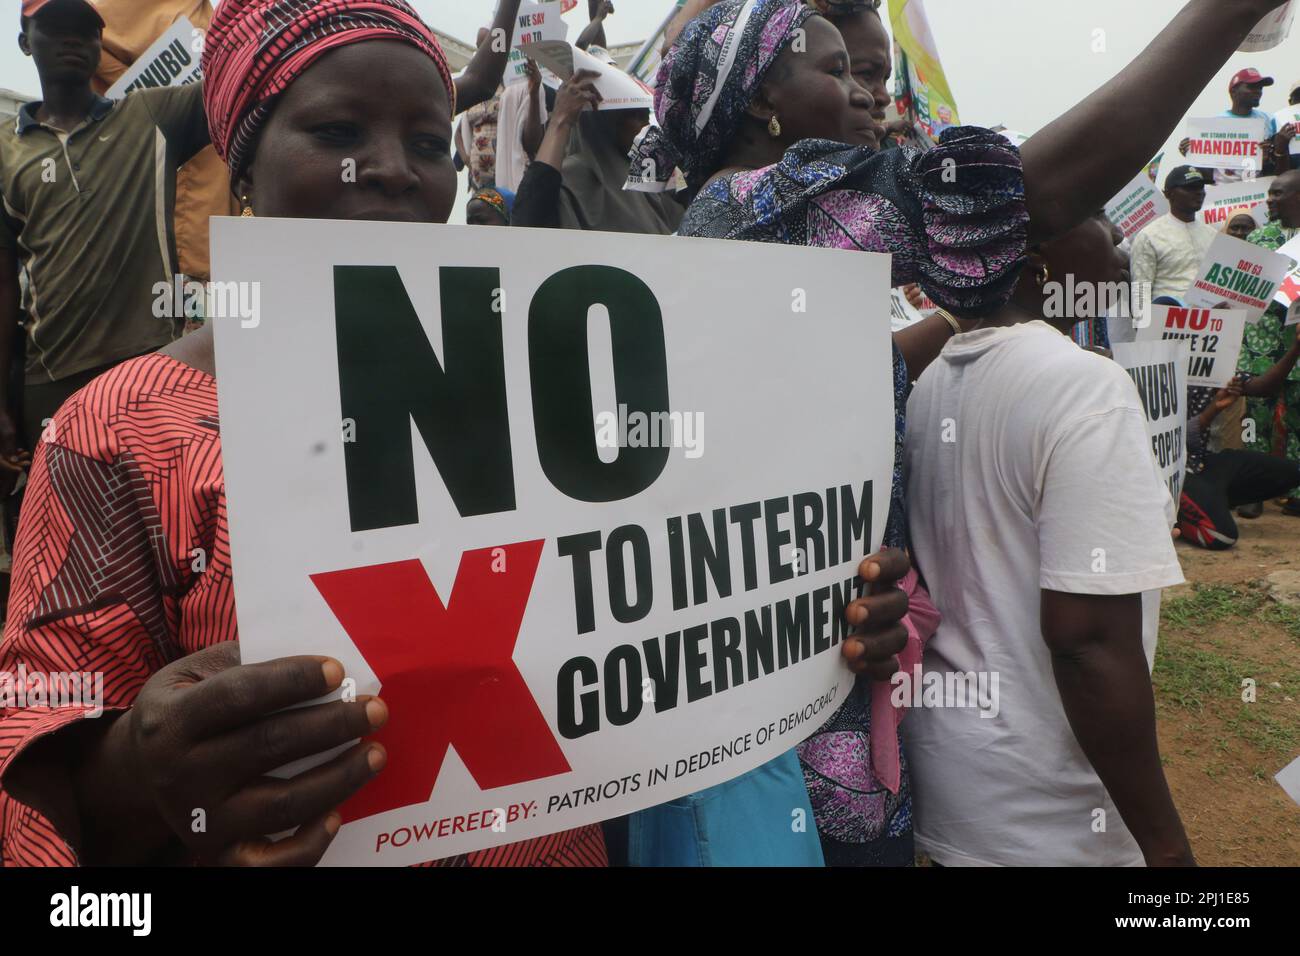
pixel 762 818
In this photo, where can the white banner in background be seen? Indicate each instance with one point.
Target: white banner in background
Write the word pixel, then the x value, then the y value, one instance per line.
pixel 492 495
pixel 902 313
pixel 618 91
pixel 171 60
pixel 1159 370
pixel 1220 199
pixel 1288 293
pixel 1270 31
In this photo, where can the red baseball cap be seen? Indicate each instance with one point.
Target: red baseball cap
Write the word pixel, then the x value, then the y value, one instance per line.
pixel 33 7
pixel 1250 75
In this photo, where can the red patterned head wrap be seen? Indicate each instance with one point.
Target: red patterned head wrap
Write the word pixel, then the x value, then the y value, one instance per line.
pixel 256 48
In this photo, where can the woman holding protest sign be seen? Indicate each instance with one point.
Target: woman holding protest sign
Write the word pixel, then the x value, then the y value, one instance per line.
pixel 777 144
pixel 140 584
pixel 123 558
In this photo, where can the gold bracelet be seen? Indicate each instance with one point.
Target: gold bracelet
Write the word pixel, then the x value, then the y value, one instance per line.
pixel 947 317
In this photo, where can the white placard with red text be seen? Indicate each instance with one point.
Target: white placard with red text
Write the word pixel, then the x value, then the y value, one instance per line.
pixel 537 22
pixel 1213 336
pixel 1223 198
pixel 1226 142
pixel 1137 205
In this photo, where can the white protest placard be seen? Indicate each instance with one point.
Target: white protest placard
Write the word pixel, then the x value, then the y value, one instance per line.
pixel 1226 142
pixel 1137 205
pixel 1288 293
pixel 1238 275
pixel 537 22
pixel 618 90
pixel 1159 370
pixel 589 567
pixel 1213 337
pixel 171 60
pixel 1270 31
pixel 1222 198
pixel 1288 778
pixel 902 313
pixel 1287 117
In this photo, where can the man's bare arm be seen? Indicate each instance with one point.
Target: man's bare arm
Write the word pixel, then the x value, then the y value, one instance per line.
pixel 482 76
pixel 1101 673
pixel 593 34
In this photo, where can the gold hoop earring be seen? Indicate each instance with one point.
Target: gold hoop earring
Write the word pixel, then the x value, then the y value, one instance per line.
pixel 1042 276
pixel 774 127
pixel 248 208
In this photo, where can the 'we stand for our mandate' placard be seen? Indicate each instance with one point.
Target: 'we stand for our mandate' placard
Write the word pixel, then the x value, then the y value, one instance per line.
pixel 1229 142
pixel 588 529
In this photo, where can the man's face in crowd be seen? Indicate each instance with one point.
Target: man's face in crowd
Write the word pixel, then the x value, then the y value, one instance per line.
pixel 868 45
pixel 1186 199
pixel 64 41
pixel 815 95
pixel 1247 96
pixel 378 108
pixel 1284 199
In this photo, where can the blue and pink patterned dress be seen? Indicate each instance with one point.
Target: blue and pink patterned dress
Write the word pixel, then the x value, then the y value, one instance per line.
pixel 954 220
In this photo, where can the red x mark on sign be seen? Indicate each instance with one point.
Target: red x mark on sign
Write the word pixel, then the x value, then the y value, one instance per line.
pixel 447 672
pixel 1290 288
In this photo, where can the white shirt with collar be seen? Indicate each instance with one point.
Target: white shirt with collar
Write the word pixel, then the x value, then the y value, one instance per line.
pixel 1168 252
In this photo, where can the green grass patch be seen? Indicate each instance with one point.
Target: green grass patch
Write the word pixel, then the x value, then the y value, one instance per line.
pixel 1204 676
pixel 1210 604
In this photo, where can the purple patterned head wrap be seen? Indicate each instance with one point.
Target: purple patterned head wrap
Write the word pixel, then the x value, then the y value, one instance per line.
pixel 706 83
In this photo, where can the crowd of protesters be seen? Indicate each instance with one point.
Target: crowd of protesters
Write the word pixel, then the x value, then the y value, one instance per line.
pixel 989 558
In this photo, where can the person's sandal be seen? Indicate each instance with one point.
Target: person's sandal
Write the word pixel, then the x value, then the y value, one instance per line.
pixel 1251 511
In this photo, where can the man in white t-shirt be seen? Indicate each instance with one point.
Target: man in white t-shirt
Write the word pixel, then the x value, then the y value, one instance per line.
pixel 1038 518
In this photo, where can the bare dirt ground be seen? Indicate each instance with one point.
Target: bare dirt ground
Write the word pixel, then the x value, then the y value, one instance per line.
pixel 1220 751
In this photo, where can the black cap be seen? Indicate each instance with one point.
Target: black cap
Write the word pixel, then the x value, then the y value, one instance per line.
pixel 1184 176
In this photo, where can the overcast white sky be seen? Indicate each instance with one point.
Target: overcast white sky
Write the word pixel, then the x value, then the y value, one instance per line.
pixel 1016 62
